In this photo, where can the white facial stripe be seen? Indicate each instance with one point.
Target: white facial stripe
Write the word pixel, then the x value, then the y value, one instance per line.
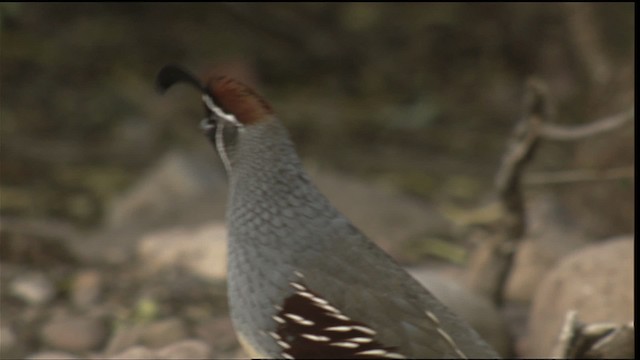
pixel 220 146
pixel 205 124
pixel 218 111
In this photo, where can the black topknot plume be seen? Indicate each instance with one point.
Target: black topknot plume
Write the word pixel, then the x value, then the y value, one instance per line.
pixel 172 74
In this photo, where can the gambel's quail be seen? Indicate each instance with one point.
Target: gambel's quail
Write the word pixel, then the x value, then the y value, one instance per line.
pixel 303 281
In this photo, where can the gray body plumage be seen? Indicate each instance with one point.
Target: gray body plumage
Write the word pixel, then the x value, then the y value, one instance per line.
pixel 281 227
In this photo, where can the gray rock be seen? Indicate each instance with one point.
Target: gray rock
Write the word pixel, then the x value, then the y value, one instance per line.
pixel 481 314
pixel 52 355
pixel 125 337
pixel 151 335
pixel 86 288
pixel 390 218
pixel 162 332
pixel 186 349
pixel 218 333
pixel 135 352
pixel 74 333
pixel 530 264
pixel 549 238
pixel 182 190
pixel 533 260
pixel 201 249
pixel 596 281
pixel 7 341
pixel 176 179
pixel 33 288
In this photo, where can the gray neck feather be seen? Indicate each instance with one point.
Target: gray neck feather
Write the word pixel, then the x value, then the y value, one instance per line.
pixel 271 196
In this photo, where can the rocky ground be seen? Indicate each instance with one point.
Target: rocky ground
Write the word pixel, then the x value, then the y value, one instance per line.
pixel 151 283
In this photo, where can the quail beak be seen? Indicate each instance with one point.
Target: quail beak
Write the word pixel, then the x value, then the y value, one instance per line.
pixel 210 121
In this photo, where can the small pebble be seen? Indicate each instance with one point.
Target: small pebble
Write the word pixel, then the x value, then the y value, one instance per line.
pixel 74 334
pixel 32 288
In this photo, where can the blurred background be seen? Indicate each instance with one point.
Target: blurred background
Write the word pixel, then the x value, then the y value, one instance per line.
pixel 112 201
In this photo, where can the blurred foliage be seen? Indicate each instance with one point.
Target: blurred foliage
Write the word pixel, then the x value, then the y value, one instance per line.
pixel 403 88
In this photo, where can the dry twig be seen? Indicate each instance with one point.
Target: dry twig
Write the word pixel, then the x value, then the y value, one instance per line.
pixel 490 264
pixel 570 133
pixel 581 175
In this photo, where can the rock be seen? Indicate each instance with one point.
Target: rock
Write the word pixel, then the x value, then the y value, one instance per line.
pixel 162 332
pixel 32 288
pixel 85 288
pixel 135 352
pixel 7 341
pixel 596 281
pixel 152 335
pixel 201 250
pixel 218 333
pixel 401 220
pixel 184 189
pixel 167 188
pixel 125 337
pixel 52 355
pixel 530 264
pixel 550 236
pixel 186 349
pixel 74 333
pixel 481 314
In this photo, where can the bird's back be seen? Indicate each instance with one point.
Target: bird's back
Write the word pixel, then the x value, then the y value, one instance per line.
pixel 298 266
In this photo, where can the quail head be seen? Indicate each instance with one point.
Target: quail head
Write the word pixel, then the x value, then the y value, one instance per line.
pixel 303 282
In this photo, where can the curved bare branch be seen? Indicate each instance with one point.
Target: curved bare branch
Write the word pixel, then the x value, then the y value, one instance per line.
pixel 568 133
